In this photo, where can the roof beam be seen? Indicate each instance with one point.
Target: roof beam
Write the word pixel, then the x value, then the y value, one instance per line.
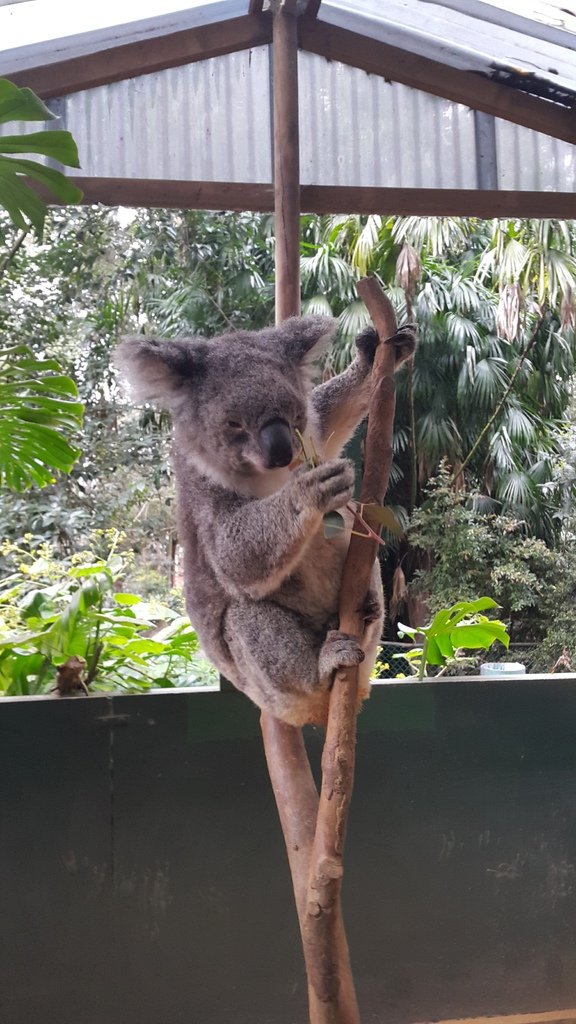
pixel 425 202
pixel 141 58
pixel 467 87
pixel 523 24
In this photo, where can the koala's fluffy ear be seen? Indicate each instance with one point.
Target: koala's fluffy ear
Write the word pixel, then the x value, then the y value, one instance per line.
pixel 306 338
pixel 156 369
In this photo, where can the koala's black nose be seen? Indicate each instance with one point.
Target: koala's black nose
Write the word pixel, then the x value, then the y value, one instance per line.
pixel 276 444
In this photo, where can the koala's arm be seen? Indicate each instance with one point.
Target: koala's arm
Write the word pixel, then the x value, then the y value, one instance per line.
pixel 341 403
pixel 254 545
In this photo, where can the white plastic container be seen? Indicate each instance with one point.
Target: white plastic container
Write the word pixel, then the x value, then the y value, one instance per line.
pixel 502 668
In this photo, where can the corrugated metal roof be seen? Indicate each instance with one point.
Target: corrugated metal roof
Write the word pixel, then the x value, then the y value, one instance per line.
pixel 208 121
pixel 357 129
pixel 211 121
pixel 470 35
pixel 529 41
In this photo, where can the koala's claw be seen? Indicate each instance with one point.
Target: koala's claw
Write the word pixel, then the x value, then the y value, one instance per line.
pixel 328 486
pixel 338 650
pixel 404 342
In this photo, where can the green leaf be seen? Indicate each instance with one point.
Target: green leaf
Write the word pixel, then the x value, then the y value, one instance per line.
pixel 479 635
pixel 19 199
pixel 434 655
pixel 481 605
pixel 333 524
pixel 35 414
pixel 382 515
pixel 52 179
pixel 127 599
pixel 445 646
pixel 23 204
pixel 21 104
pixel 144 646
pixel 58 145
pixel 438 622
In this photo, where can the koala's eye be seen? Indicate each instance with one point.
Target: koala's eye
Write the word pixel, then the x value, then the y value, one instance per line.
pixel 234 425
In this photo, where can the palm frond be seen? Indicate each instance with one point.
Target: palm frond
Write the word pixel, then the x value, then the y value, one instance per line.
pixel 316 305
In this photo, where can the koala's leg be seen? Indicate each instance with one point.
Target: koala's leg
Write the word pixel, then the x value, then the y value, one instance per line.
pixel 281 663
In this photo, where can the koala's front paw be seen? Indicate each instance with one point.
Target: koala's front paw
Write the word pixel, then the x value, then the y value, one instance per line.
pixel 338 650
pixel 326 487
pixel 367 343
pixel 404 342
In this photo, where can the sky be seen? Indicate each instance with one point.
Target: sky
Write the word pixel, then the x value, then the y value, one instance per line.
pixel 37 20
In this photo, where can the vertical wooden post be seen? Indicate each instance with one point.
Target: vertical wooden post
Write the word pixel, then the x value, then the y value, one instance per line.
pixel 286 161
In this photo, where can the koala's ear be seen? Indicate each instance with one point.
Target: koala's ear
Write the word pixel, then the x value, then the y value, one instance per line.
pixel 305 338
pixel 156 369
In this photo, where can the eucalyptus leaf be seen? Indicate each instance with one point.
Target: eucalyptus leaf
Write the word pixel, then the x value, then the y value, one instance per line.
pixel 382 515
pixel 333 524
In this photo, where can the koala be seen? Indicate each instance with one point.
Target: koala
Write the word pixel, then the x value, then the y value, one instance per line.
pixel 261 580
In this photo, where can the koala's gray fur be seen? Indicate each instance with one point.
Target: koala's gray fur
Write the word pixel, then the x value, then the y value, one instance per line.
pixel 262 582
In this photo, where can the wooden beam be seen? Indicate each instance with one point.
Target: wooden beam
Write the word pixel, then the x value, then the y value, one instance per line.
pixel 545 1017
pixel 437 202
pixel 146 56
pixel 177 195
pixel 286 163
pixel 467 87
pixel 425 202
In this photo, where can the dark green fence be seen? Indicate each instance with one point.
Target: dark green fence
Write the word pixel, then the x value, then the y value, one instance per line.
pixel 144 881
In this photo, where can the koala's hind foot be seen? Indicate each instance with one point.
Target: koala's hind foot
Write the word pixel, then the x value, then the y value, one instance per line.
pixel 338 650
pixel 404 342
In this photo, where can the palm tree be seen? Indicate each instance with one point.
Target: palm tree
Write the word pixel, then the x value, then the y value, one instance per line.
pixel 447 274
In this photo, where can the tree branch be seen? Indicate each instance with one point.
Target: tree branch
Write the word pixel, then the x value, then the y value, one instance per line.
pixel 17 244
pixel 315 831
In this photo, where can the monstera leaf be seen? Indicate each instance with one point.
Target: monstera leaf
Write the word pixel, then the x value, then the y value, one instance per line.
pixel 17 196
pixel 39 409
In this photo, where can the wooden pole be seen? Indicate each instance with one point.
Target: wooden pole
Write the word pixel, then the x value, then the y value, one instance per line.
pixel 286 161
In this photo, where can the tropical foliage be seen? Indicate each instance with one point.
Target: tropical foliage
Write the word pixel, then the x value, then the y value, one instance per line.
pixel 53 612
pixel 38 405
pixel 25 207
pixel 488 396
pixel 458 628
